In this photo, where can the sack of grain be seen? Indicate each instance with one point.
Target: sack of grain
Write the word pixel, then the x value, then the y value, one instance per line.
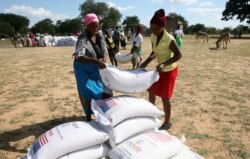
pixel 123 58
pixel 67 138
pixel 94 152
pixel 130 128
pixel 112 111
pixel 150 145
pixel 127 81
pixel 186 153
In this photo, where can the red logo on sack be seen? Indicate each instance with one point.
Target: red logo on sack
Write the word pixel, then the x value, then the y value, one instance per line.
pixel 160 137
pixel 135 146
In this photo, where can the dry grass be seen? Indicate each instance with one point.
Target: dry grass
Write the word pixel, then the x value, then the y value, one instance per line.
pixel 210 105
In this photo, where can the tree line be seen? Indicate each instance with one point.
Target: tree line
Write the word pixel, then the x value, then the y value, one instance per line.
pixel 11 24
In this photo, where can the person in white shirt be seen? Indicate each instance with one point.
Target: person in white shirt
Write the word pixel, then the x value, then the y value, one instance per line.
pixel 123 40
pixel 178 34
pixel 137 47
pixel 129 36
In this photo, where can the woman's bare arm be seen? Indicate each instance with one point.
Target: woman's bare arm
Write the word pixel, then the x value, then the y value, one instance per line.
pixel 148 60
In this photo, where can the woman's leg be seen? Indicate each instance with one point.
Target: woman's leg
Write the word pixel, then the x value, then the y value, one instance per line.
pixel 115 61
pixel 84 105
pixel 81 87
pixel 167 109
pixel 110 57
pixel 113 56
pixel 133 62
pixel 133 65
pixel 138 62
pixel 151 98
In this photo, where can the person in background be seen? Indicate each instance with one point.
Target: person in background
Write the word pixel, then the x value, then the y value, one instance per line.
pixel 133 34
pixel 123 43
pixel 137 47
pixel 78 33
pixel 32 38
pixel 123 40
pixel 171 32
pixel 90 56
pixel 240 32
pixel 121 33
pixel 129 34
pixel 27 39
pixel 112 50
pixel 116 37
pixel 178 34
pixel 165 50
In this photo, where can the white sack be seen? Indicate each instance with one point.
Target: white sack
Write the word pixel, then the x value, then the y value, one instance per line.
pixel 66 138
pixel 65 41
pixel 158 145
pixel 186 153
pixel 94 152
pixel 129 128
pixel 125 81
pixel 112 111
pixel 123 58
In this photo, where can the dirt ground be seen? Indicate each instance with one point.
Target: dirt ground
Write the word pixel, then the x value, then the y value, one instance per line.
pixel 211 103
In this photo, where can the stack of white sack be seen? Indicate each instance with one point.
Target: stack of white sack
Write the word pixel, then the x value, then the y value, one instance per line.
pixel 60 40
pixel 65 41
pixel 128 81
pixel 123 117
pixel 123 58
pixel 49 40
pixel 70 141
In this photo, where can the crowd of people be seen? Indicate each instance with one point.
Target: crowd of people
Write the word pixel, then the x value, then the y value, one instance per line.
pixel 93 47
pixel 116 38
pixel 29 40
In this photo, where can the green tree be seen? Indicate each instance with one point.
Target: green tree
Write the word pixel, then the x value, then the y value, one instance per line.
pixel 226 30
pixel 131 22
pixel 211 30
pixel 69 26
pixel 244 28
pixel 192 29
pixel 112 19
pixel 58 23
pixel 17 22
pixel 178 17
pixel 6 29
pixel 146 31
pixel 44 26
pixel 109 16
pixel 62 27
pixel 238 8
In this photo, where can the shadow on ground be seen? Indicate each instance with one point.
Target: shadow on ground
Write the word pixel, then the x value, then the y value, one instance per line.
pixel 213 48
pixel 31 130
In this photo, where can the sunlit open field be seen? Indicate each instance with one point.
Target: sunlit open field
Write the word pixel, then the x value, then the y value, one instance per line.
pixel 211 103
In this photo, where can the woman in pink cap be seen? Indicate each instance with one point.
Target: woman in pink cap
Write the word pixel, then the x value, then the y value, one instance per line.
pixel 90 56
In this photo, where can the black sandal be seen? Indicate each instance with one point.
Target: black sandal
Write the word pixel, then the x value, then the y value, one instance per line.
pixel 88 118
pixel 166 126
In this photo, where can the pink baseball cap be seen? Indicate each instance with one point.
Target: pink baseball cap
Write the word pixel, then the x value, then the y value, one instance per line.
pixel 90 18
